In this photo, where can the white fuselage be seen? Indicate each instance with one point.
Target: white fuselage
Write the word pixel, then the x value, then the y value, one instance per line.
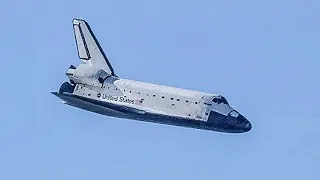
pixel 150 97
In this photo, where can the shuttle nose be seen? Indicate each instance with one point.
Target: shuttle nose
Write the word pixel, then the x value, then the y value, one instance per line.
pixel 233 122
pixel 244 124
pixel 247 127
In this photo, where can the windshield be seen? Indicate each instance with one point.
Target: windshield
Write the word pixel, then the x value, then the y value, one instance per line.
pixel 220 99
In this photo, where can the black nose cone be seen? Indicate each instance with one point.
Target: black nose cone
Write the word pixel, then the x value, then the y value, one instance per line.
pixel 247 127
pixel 243 124
pixel 230 123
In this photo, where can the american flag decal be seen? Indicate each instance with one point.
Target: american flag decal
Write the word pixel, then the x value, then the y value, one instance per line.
pixel 138 102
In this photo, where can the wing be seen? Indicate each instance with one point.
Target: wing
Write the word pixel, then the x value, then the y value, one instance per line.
pixel 89 49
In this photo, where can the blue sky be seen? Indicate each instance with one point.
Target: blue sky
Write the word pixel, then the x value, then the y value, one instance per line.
pixel 263 56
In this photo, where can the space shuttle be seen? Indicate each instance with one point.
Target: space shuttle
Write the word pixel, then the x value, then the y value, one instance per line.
pixel 94 86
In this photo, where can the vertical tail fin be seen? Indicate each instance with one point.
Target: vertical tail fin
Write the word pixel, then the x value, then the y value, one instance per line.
pixel 89 49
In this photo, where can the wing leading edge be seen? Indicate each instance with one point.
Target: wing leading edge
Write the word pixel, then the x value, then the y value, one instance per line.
pixel 89 49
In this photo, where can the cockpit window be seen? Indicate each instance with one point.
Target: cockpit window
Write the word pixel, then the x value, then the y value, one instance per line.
pixel 220 99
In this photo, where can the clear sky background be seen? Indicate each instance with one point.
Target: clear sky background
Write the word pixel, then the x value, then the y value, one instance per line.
pixel 263 56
